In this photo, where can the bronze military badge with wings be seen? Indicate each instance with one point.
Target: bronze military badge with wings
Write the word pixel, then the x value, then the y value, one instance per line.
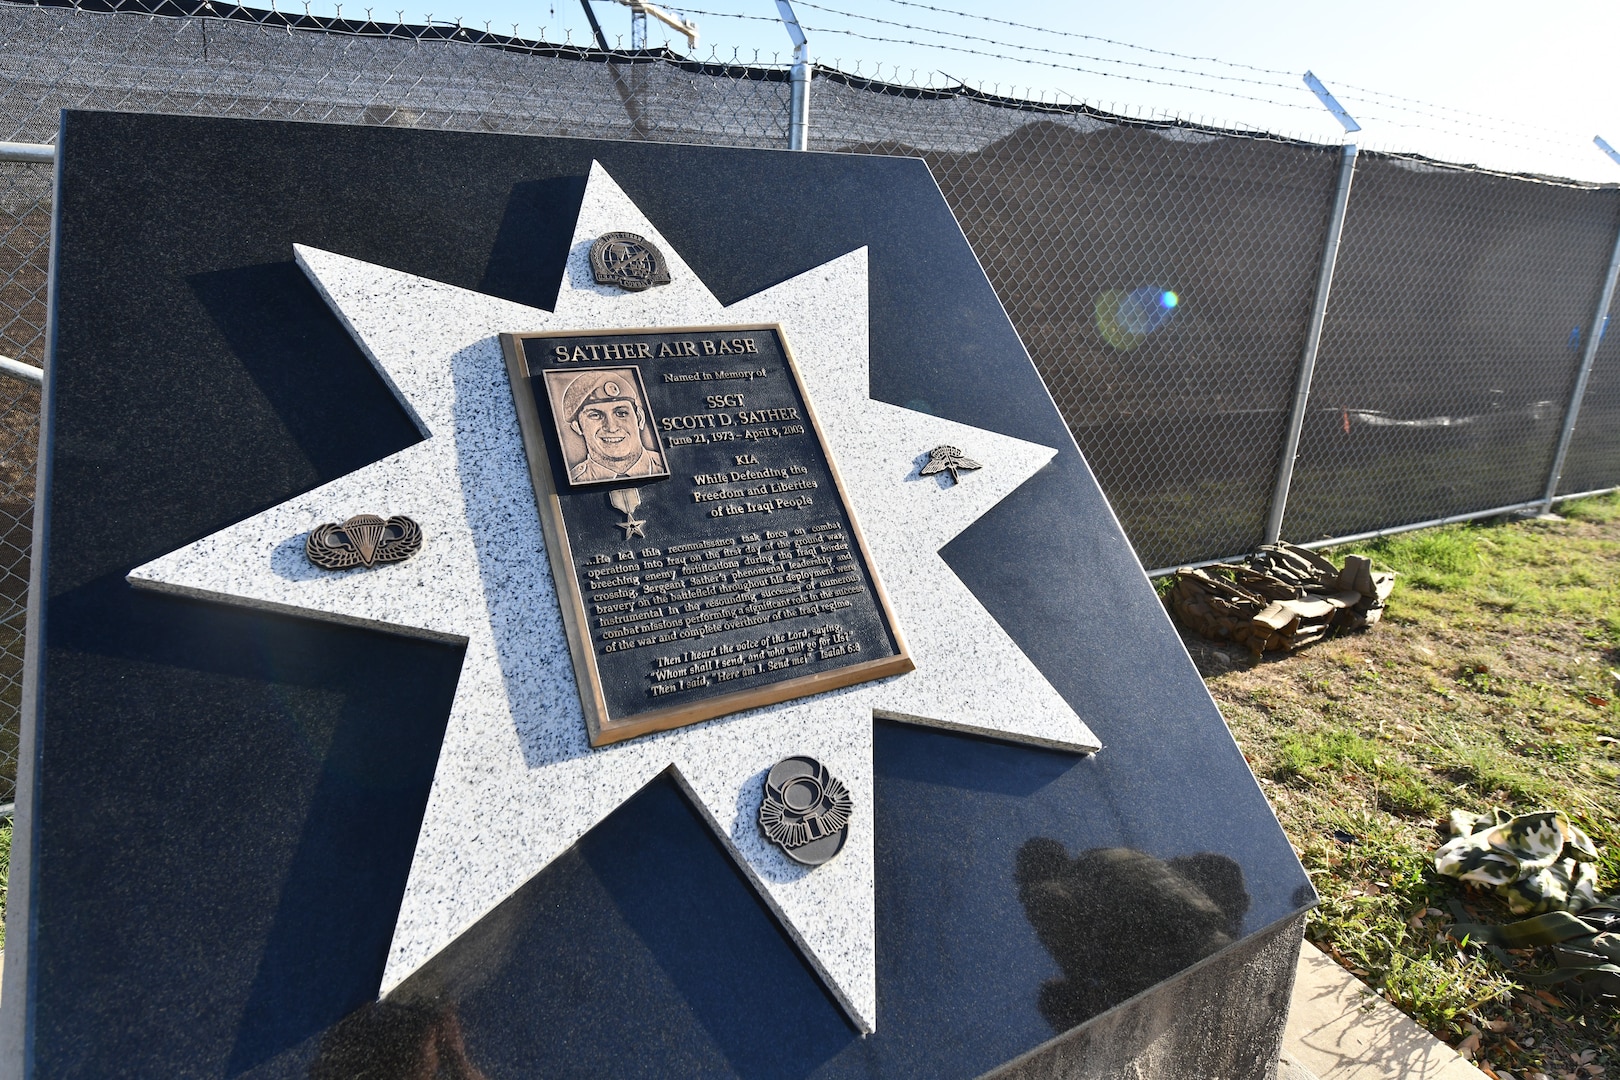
pixel 947 459
pixel 363 540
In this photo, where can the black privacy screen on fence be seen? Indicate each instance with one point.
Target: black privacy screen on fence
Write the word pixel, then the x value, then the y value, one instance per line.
pixel 1459 309
pixel 1161 280
pixel 1162 275
pixel 256 64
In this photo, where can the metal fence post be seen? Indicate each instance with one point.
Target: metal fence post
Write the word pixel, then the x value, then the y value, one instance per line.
pixel 1594 338
pixel 799 105
pixel 1313 340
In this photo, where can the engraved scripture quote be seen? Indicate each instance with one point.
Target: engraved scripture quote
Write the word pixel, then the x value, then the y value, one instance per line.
pixel 706 558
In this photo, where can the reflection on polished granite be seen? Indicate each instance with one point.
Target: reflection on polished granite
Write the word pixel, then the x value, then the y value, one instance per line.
pixel 227 800
pixel 1107 902
pixel 992 938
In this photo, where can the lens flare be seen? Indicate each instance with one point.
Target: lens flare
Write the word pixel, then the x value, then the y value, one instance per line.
pixel 1126 319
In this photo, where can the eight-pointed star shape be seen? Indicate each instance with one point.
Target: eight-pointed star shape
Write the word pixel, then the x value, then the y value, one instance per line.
pixel 517 783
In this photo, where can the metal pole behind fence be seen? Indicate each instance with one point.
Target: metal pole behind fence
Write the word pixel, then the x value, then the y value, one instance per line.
pixel 1594 338
pixel 1313 340
pixel 596 27
pixel 20 371
pixel 799 104
pixel 27 154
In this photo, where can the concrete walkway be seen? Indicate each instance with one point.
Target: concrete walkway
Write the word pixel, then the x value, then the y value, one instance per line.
pixel 1340 1029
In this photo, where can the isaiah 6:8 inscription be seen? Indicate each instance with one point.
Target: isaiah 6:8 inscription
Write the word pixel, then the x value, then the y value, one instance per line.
pixel 706 556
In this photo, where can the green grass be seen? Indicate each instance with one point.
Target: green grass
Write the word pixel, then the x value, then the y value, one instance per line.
pixel 1374 894
pixel 1488 683
pixel 1442 559
pixel 1496 774
pixel 5 875
pixel 1598 511
pixel 1320 757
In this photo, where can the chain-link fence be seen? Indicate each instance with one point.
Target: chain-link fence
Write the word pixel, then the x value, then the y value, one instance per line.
pixel 1460 305
pixel 1162 274
pixel 1161 280
pixel 25 218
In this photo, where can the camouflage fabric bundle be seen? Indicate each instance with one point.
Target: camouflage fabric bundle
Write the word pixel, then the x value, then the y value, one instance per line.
pixel 1537 862
pixel 1541 865
pixel 1585 948
pixel 1283 598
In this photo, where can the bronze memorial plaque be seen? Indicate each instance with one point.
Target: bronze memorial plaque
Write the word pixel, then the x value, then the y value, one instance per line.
pixel 706 556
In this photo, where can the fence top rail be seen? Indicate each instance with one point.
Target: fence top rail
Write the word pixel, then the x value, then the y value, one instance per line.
pixel 1422 162
pixel 28 153
pixel 20 371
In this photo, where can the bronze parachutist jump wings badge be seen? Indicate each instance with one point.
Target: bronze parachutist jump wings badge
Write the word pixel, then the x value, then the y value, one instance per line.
pixel 363 540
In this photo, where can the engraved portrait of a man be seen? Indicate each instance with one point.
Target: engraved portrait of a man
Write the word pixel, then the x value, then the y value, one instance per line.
pixel 603 425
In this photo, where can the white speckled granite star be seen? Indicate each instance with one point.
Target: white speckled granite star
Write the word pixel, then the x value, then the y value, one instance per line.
pixel 517 783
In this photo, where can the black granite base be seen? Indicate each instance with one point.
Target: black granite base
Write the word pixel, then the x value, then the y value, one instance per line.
pixel 1222 1020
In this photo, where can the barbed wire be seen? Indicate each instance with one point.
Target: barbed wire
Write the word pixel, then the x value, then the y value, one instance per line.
pixel 1040 49
pixel 1534 131
pixel 1473 132
pixel 1437 122
pixel 1426 141
pixel 1419 127
pixel 1534 135
pixel 1061 67
pixel 1094 37
pixel 1444 127
pixel 1528 138
pixel 733 15
pixel 1379 99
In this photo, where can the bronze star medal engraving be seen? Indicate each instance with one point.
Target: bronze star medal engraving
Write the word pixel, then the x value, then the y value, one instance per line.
pixel 760 587
pixel 806 810
pixel 363 540
pixel 631 262
pixel 947 459
pixel 625 500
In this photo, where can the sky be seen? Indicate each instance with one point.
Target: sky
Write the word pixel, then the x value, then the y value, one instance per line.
pixel 1505 86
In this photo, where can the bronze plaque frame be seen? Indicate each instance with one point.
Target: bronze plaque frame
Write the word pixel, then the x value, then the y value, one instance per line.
pixel 541 444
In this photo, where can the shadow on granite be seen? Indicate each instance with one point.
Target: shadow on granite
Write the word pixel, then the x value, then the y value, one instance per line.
pixel 1108 902
pixel 386 1041
pixel 1221 1018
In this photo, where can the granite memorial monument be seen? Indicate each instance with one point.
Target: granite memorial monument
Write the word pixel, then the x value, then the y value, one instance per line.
pixel 541 607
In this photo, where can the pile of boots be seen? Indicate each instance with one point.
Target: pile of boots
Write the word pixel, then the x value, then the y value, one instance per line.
pixel 1285 597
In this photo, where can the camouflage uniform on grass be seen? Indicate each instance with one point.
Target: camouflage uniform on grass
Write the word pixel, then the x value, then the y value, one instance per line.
pixel 1537 862
pixel 1543 866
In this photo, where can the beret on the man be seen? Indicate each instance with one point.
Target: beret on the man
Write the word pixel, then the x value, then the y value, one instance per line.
pixel 596 386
